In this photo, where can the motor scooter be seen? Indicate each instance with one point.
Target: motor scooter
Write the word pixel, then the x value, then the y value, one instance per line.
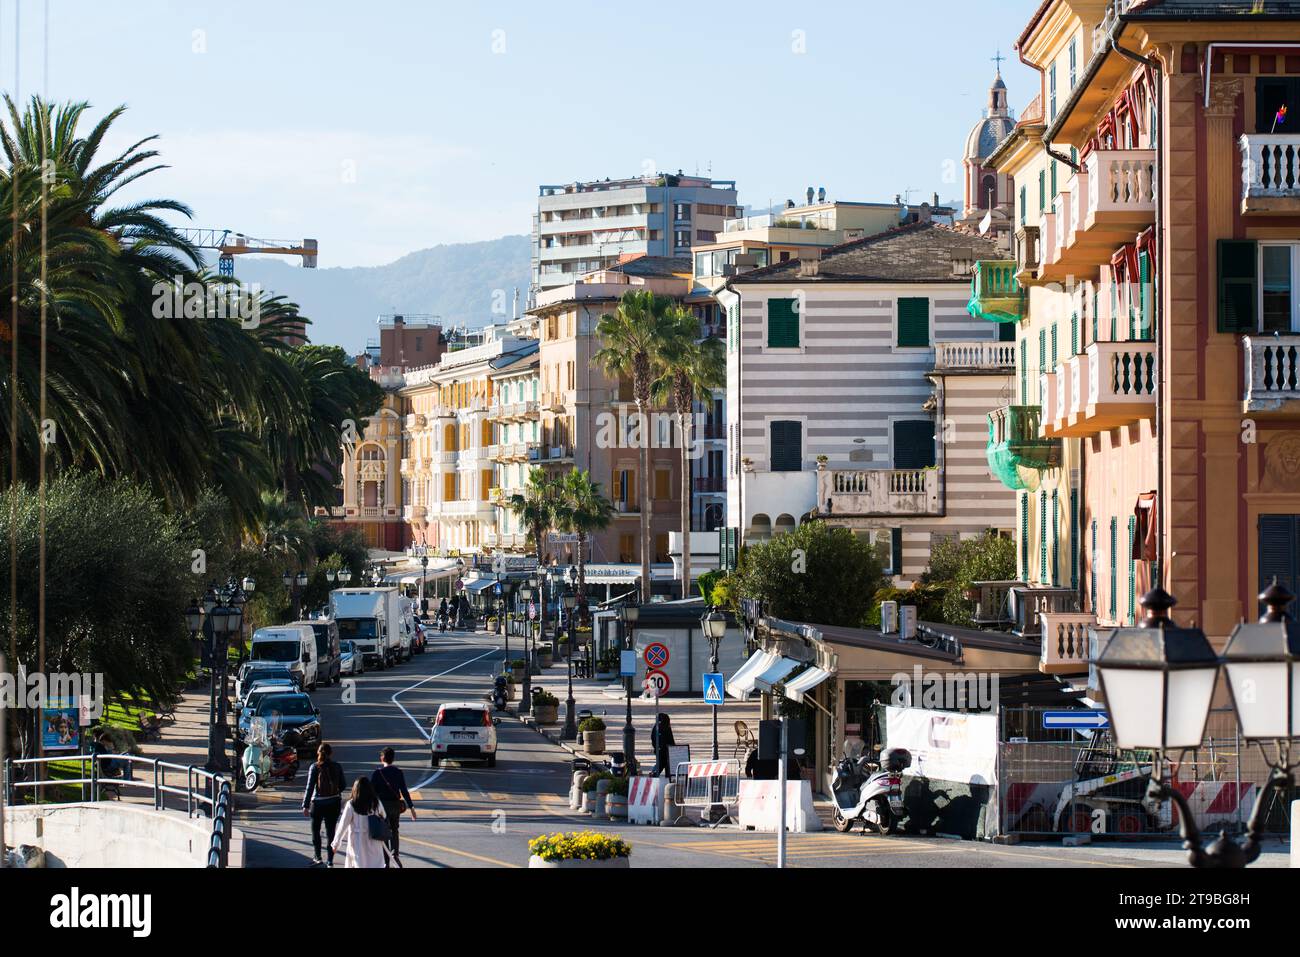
pixel 499 693
pixel 869 792
pixel 268 758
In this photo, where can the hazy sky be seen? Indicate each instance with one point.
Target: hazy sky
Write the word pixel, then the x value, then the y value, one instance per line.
pixel 385 127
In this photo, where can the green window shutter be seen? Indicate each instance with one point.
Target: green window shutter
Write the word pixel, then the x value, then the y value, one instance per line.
pixel 1074 333
pixel 1114 565
pixel 1053 365
pixel 1092 563
pixel 1056 540
pixel 1042 362
pixel 1146 297
pixel 1114 305
pixel 1055 191
pixel 1096 311
pixel 1024 371
pixel 914 444
pixel 1042 190
pixel 896 549
pixel 783 324
pixel 787 446
pixel 1024 204
pixel 1024 536
pixel 1132 576
pixel 733 327
pixel 1238 285
pixel 1042 538
pixel 913 323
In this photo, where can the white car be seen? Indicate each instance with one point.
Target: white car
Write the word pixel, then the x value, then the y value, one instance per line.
pixel 464 730
pixel 351 661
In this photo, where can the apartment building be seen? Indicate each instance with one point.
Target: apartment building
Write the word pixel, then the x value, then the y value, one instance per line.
pixel 516 447
pixel 371 493
pixel 1154 297
pixel 586 416
pixel 858 387
pixel 585 226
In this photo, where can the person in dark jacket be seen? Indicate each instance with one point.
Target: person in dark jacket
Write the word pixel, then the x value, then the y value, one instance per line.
pixel 323 800
pixel 661 739
pixel 390 787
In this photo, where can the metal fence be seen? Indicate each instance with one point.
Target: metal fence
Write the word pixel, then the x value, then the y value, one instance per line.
pixel 1057 782
pixel 708 785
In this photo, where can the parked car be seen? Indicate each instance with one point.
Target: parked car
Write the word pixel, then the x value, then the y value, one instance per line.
pixel 293 646
pixel 264 684
pixel 290 711
pixel 326 631
pixel 351 661
pixel 251 671
pixel 464 729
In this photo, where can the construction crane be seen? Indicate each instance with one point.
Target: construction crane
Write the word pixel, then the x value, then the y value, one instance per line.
pixel 230 245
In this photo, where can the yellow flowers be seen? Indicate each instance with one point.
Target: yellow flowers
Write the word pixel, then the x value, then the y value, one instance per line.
pixel 579 846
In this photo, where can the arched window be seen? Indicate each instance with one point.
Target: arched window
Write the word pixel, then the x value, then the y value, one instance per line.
pixel 988 192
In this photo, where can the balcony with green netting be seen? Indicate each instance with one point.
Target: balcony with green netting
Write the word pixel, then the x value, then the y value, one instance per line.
pixel 996 294
pixel 1016 449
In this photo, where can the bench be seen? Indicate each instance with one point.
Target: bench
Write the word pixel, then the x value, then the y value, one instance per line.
pixel 150 725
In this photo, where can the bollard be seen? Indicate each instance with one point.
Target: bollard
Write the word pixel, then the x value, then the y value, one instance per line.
pixel 670 810
pixel 598 806
pixel 575 790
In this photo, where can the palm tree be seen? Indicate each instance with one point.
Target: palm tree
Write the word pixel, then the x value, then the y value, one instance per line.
pixel 585 510
pixel 537 510
pixel 693 368
pixel 631 338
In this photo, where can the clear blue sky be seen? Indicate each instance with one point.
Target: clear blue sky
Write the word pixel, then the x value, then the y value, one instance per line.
pixel 385 127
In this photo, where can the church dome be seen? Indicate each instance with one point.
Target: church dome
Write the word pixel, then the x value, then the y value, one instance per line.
pixel 996 125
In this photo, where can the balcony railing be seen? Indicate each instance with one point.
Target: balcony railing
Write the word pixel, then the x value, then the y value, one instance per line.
pixel 1027 254
pixel 1065 641
pixel 1272 371
pixel 710 483
pixel 1015 444
pixel 981 356
pixel 1121 188
pixel 1270 173
pixel 995 292
pixel 1121 382
pixel 879 492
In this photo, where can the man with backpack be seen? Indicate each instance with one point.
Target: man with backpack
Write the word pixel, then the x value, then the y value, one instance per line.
pixel 323 800
pixel 390 787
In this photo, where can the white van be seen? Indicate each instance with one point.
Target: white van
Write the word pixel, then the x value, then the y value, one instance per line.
pixel 294 646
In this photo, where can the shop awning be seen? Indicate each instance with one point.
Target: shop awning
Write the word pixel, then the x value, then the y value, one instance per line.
pixel 480 585
pixel 742 682
pixel 796 689
pixel 775 673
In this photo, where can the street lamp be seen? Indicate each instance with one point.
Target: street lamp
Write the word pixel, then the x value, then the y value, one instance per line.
pixel 345 575
pixel 713 624
pixel 526 699
pixel 570 724
pixel 218 618
pixel 424 573
pixel 537 585
pixel 628 614
pixel 1159 679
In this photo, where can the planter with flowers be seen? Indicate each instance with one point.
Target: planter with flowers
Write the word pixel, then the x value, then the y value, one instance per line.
pixel 579 849
pixel 546 707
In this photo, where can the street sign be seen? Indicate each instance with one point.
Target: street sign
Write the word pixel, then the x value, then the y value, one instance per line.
pixel 627 664
pixel 1095 720
pixel 713 688
pixel 656 655
pixel 656 683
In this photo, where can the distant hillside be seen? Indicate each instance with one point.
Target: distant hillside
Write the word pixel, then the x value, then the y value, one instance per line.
pixel 457 282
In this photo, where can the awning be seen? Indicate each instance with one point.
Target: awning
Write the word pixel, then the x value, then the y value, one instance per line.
pixel 775 673
pixel 742 682
pixel 795 690
pixel 479 585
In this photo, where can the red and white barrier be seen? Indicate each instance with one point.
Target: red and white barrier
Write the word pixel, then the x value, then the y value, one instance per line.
pixel 645 800
pixel 760 806
pixel 709 769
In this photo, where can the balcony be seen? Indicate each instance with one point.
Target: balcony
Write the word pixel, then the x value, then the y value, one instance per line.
pixel 1122 382
pixel 517 452
pixel 1015 444
pixel 710 484
pixel 413 513
pixel 981 356
pixel 1272 372
pixel 1065 642
pixel 1027 254
pixel 1048 396
pixel 509 411
pixel 1121 191
pixel 622 507
pixel 879 492
pixel 995 292
pixel 554 454
pixel 1270 173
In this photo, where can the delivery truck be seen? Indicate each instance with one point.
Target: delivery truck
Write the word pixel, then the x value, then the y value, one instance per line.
pixel 372 618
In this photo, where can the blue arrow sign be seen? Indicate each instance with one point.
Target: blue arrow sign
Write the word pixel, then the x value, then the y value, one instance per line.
pixel 714 686
pixel 1095 720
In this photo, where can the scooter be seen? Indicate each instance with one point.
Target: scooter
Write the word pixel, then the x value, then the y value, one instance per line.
pixel 269 758
pixel 869 792
pixel 499 693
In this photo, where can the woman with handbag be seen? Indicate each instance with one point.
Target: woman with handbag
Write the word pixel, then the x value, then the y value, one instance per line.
pixel 363 828
pixel 390 786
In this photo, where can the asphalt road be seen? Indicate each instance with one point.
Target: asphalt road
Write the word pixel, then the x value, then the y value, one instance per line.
pixel 473 816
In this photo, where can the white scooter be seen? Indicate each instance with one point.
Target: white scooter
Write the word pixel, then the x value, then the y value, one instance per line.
pixel 869 792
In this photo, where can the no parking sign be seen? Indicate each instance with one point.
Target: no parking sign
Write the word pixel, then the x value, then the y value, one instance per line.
pixel 656 655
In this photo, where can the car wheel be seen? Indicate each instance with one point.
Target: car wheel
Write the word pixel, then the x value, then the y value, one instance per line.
pixel 492 761
pixel 433 761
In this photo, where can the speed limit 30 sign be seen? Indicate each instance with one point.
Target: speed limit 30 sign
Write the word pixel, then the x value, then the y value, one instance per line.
pixel 656 682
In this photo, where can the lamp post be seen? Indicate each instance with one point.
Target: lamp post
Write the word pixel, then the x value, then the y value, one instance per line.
pixel 714 626
pixel 536 585
pixel 295 584
pixel 526 698
pixel 629 614
pixel 500 606
pixel 221 619
pixel 570 722
pixel 1159 682
pixel 424 573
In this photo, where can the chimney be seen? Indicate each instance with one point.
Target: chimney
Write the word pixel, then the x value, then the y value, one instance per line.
pixel 810 261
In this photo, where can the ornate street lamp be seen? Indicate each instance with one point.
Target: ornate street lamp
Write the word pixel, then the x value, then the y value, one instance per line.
pixel 526 697
pixel 713 624
pixel 628 614
pixel 570 723
pixel 536 585
pixel 345 575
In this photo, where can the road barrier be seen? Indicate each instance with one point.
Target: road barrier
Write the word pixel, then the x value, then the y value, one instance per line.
pixel 709 785
pixel 645 800
pixel 759 807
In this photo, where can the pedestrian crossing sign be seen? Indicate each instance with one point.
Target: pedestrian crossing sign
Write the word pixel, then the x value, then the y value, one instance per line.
pixel 713 688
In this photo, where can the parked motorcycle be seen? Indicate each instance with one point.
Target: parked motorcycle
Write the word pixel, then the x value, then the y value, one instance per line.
pixel 869 792
pixel 269 758
pixel 499 693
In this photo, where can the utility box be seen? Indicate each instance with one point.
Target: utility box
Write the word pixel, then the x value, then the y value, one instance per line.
pixel 907 621
pixel 888 617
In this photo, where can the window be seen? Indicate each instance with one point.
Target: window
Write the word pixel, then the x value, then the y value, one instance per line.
pixel 1056 540
pixel 1042 191
pixel 914 444
pixel 783 324
pixel 1051 91
pixel 1042 538
pixel 1074 333
pixel 1024 371
pixel 1277 299
pixel 787 446
pixel 681 211
pixel 1024 536
pixel 1074 539
pixel 1024 204
pixel 913 323
pixel 1271 94
pixel 1074 63
pixel 1238 291
pixel 663 484
pixel 1114 565
pixel 681 237
pixel 661 556
pixel 1146 299
pixel 1279 551
pixel 1053 365
pixel 1093 582
pixel 1132 572
pixel 1042 361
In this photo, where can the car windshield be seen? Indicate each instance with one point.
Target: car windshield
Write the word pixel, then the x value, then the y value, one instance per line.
pixel 275 651
pixel 462 717
pixel 347 647
pixel 357 627
pixel 322 639
pixel 289 705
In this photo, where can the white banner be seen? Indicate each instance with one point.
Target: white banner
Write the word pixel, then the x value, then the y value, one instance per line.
pixel 946 745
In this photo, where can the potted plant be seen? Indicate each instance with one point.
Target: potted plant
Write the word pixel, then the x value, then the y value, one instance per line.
pixel 607 664
pixel 821 462
pixel 545 655
pixel 579 849
pixel 593 734
pixel 589 788
pixel 546 707
pixel 517 668
pixel 616 798
pixel 511 691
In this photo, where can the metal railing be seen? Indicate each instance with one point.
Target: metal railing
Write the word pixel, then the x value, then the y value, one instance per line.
pixel 205 793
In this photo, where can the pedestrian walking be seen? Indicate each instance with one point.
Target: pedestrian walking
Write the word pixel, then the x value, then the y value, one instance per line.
pixel 323 800
pixel 661 739
pixel 390 786
pixel 362 828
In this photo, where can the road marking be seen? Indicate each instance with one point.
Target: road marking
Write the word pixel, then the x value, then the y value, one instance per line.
pixel 552 799
pixel 455 795
pixel 452 850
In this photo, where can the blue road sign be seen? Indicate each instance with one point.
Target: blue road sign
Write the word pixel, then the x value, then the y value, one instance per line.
pixel 627 664
pixel 1094 720
pixel 713 688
